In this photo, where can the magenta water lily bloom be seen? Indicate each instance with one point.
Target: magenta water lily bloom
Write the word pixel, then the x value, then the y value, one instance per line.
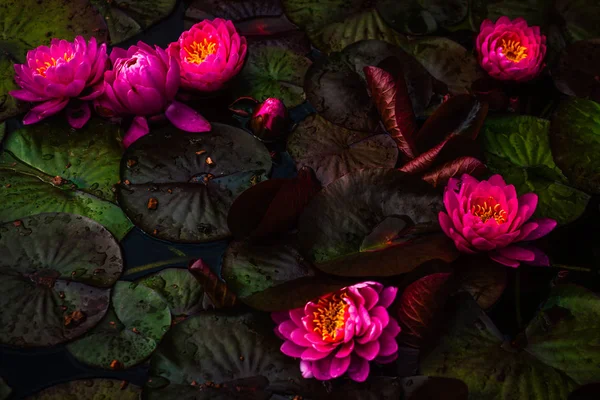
pixel 210 53
pixel 61 73
pixel 511 50
pixel 488 216
pixel 341 332
pixel 143 82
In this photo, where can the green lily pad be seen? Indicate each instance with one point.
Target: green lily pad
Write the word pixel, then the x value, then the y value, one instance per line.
pixel 332 151
pixel 447 61
pixel 178 186
pixel 473 351
pixel 49 167
pixel 130 331
pixel 216 348
pixel 5 390
pixel 179 288
pixel 335 223
pixel 9 106
pixel 127 18
pixel 265 275
pixel 579 19
pixel 518 148
pixel 273 72
pixel 575 142
pixel 55 287
pixel 90 389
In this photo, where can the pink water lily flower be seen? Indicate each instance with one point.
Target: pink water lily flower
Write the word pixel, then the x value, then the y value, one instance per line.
pixel 63 73
pixel 511 50
pixel 341 332
pixel 210 53
pixel 488 216
pixel 143 82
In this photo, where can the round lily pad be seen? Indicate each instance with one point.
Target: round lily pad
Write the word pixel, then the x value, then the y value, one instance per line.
pixel 333 226
pixel 273 275
pixel 575 142
pixel 577 71
pixel 179 288
pixel 130 331
pixel 90 389
pixel 49 167
pixel 332 151
pixel 217 349
pixel 55 287
pixel 178 186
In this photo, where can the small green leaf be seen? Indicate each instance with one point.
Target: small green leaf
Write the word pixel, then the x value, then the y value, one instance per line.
pixel 90 389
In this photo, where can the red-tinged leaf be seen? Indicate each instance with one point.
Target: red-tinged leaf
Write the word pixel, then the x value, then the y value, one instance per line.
pixel 462 115
pixel 390 95
pixel 215 288
pixel 462 165
pixel 419 307
pixel 272 206
pixel 243 106
pixel 424 161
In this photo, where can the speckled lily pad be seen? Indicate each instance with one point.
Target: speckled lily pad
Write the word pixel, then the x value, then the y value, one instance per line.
pixel 55 287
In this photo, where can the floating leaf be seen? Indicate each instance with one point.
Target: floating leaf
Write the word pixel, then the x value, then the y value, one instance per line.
pixel 335 223
pixel 481 277
pixel 54 287
pixel 272 206
pixel 179 288
pixel 273 72
pixel 332 151
pixel 217 290
pixel 419 307
pixel 47 167
pixel 579 19
pixel 519 149
pixel 9 106
pixel 578 70
pixel 193 179
pixel 90 389
pixel 130 331
pixel 574 137
pixel 273 276
pixel 217 348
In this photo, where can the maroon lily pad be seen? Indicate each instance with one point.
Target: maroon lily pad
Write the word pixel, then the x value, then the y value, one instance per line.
pixel 272 206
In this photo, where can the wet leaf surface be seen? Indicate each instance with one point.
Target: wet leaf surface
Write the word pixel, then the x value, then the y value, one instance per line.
pixel 193 195
pixel 333 226
pixel 93 389
pixel 47 167
pixel 130 331
pixel 332 151
pixel 55 287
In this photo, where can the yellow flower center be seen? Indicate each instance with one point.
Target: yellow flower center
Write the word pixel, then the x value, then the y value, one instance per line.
pixel 491 210
pixel 52 63
pixel 330 318
pixel 197 52
pixel 513 50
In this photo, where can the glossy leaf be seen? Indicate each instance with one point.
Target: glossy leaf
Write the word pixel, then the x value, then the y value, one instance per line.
pixel 332 151
pixel 391 99
pixel 455 168
pixel 46 168
pixel 72 271
pixel 113 389
pixel 273 275
pixel 193 178
pixel 419 307
pixel 519 149
pixel 576 74
pixel 272 206
pixel 217 291
pixel 574 136
pixel 130 331
pixel 333 226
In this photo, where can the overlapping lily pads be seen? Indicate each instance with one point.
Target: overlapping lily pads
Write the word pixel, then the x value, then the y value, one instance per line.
pixel 130 331
pixel 54 287
pixel 215 349
pixel 519 148
pixel 95 389
pixel 179 186
pixel 47 167
pixel 334 225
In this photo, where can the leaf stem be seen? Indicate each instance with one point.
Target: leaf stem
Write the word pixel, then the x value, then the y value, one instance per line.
pixel 157 264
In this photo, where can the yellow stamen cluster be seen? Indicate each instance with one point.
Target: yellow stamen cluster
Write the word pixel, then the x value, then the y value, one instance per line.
pixel 197 52
pixel 52 63
pixel 513 50
pixel 330 317
pixel 486 212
